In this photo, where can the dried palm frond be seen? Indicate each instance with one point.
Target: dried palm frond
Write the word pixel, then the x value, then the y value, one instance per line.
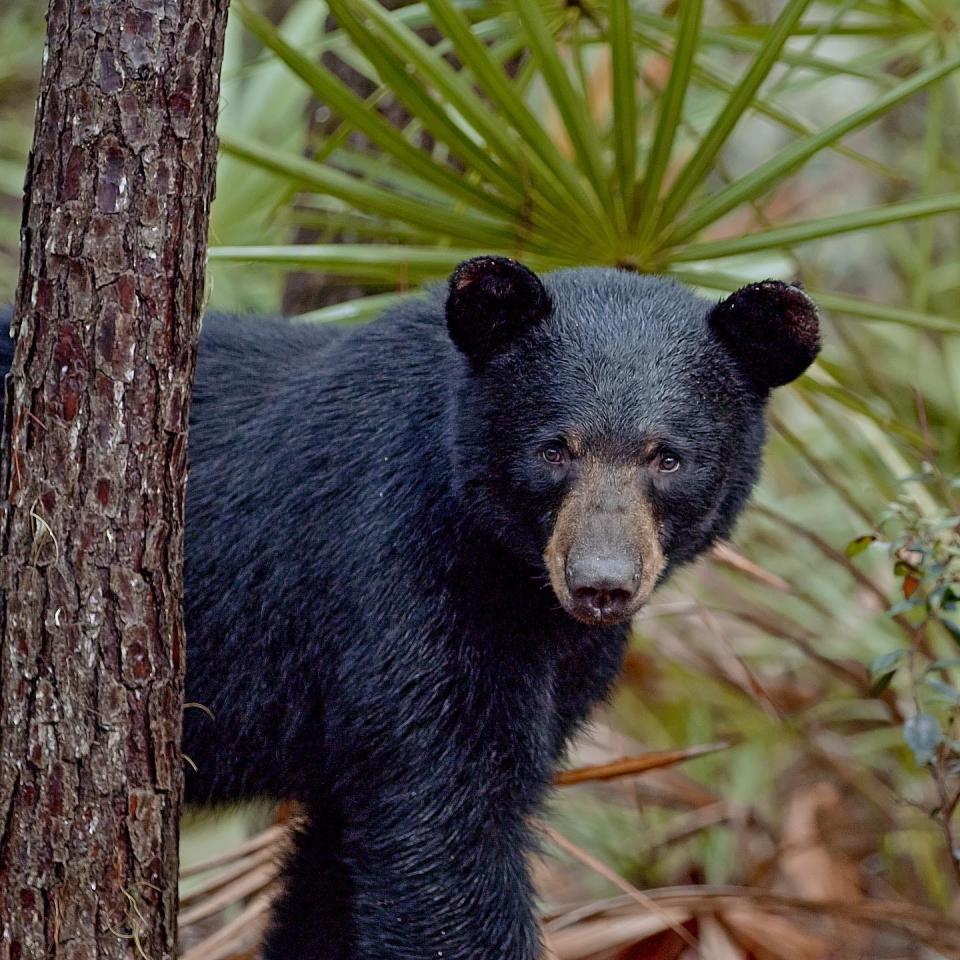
pixel 811 909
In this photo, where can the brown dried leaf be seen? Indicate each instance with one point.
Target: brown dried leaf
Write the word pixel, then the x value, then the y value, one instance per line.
pixel 276 835
pixel 234 892
pixel 773 938
pixel 594 936
pixel 613 877
pixel 811 869
pixel 241 933
pixel 728 556
pixel 235 870
pixel 715 942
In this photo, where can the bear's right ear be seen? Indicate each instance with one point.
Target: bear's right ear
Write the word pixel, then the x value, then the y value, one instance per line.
pixel 491 302
pixel 772 330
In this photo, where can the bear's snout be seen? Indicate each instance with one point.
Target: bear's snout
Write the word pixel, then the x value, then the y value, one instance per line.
pixel 603 585
pixel 604 554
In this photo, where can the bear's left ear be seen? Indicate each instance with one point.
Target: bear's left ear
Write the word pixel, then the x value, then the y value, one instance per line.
pixel 772 330
pixel 491 302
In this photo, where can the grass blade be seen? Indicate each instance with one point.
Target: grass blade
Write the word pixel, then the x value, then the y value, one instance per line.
pixel 532 227
pixel 445 220
pixel 753 184
pixel 391 52
pixel 453 87
pixel 714 78
pixel 345 103
pixel 723 284
pixel 923 261
pixel 671 110
pixel 550 171
pixel 822 227
pixel 391 265
pixel 624 96
pixel 360 310
pixel 884 313
pixel 569 102
pixel 633 766
pixel 696 170
pixel 744 44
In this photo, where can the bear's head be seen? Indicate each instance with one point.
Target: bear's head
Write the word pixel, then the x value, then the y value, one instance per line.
pixel 609 425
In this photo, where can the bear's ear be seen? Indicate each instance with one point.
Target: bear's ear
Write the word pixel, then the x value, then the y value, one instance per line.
pixel 772 330
pixel 492 301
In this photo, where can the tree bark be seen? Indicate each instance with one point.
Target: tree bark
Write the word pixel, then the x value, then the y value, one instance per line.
pixel 94 457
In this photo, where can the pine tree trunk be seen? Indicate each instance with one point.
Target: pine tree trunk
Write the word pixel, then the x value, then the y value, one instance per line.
pixel 94 458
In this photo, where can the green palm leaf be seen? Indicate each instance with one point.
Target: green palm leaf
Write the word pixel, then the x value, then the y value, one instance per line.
pixel 332 91
pixel 366 196
pixel 824 227
pixel 737 103
pixel 753 184
pixel 551 170
pixel 570 104
pixel 623 64
pixel 671 109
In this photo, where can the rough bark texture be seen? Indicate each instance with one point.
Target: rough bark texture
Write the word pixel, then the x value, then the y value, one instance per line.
pixel 111 288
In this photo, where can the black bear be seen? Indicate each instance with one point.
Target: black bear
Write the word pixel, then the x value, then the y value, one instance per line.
pixel 412 552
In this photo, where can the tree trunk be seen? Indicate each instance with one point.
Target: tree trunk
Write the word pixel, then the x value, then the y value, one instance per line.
pixel 107 313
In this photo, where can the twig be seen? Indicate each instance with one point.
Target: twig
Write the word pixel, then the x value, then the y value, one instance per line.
pixel 945 818
pixel 631 766
pixel 628 888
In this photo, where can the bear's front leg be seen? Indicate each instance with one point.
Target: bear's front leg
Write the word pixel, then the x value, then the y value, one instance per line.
pixel 313 914
pixel 407 875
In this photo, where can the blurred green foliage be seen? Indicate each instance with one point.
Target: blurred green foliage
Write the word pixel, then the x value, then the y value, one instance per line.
pixel 21 43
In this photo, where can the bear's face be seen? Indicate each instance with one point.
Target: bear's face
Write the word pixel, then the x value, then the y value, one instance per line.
pixel 610 426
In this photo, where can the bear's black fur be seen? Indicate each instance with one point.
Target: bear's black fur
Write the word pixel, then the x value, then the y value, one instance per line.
pixel 409 568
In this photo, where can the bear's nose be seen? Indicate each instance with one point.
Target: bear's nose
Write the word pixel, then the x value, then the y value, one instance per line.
pixel 603 586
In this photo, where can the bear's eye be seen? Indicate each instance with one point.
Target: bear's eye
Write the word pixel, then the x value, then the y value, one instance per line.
pixel 668 463
pixel 555 454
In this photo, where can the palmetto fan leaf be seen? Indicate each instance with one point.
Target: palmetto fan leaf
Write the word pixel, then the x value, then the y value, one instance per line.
pixel 532 128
